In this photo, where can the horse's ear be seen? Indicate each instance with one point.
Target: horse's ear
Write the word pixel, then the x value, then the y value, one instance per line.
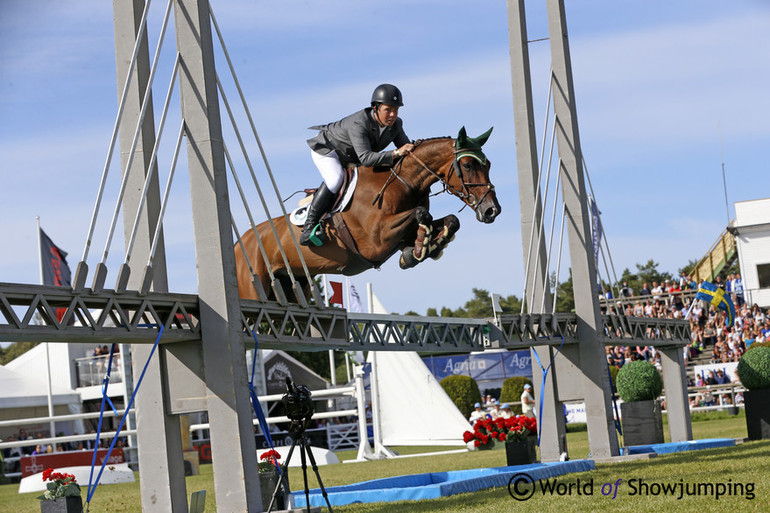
pixel 480 140
pixel 462 138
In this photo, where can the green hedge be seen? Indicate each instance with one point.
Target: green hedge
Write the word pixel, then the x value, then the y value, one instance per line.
pixel 512 390
pixel 754 368
pixel 463 391
pixel 639 381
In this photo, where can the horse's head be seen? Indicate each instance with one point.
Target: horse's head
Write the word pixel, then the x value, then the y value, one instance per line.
pixel 468 177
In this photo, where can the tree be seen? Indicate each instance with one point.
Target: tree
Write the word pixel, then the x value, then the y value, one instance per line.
pixel 649 272
pixel 480 306
pixel 565 295
pixel 16 349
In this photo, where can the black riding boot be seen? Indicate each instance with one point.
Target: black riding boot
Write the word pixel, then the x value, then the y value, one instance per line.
pixel 322 201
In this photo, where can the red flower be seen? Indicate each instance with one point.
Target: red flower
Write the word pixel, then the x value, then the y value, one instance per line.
pixel 271 454
pixel 47 474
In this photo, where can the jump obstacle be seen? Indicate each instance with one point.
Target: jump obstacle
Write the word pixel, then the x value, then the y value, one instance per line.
pixel 201 364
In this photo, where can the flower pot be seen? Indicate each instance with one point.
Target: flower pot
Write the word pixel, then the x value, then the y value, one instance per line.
pixel 521 452
pixel 642 423
pixel 757 405
pixel 72 504
pixel 267 483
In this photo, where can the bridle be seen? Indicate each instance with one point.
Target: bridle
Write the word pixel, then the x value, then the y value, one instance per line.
pixel 465 194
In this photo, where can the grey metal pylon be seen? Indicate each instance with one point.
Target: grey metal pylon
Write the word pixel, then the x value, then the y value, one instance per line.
pixel 159 446
pixel 552 426
pixel 602 437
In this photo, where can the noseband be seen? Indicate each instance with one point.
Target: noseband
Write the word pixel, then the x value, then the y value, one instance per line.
pixel 465 195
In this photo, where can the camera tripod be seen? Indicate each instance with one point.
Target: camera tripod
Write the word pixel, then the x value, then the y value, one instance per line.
pixel 297 433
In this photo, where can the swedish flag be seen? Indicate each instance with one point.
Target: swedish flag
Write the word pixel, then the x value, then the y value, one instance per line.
pixel 716 296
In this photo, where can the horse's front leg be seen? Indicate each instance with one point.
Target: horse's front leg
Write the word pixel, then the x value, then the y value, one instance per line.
pixel 413 255
pixel 444 230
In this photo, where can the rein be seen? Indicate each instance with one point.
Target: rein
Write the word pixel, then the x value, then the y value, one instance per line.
pixel 465 194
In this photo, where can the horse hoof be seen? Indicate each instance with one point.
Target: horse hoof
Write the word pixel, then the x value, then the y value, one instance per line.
pixel 439 255
pixel 408 260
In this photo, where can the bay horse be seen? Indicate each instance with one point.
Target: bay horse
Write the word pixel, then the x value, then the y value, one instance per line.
pixel 387 213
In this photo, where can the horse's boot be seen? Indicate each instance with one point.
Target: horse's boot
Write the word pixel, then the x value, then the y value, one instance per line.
pixel 322 201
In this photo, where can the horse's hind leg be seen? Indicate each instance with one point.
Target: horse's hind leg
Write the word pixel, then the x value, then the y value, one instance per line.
pixel 444 230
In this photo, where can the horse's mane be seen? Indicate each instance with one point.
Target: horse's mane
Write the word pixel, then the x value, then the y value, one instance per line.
pixel 434 138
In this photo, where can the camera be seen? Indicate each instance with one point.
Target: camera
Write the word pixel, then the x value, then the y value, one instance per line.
pixel 297 401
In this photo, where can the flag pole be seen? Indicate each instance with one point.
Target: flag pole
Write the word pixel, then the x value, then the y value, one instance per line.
pixel 347 353
pixel 49 392
pixel 333 372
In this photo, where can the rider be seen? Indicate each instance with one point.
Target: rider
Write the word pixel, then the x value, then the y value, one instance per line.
pixel 358 139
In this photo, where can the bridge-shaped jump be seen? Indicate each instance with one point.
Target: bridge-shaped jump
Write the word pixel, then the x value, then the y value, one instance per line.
pixel 132 318
pixel 205 335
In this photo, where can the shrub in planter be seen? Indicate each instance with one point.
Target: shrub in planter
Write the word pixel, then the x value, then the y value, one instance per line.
pixel 639 381
pixel 463 391
pixel 512 390
pixel 754 373
pixel 754 368
pixel 639 385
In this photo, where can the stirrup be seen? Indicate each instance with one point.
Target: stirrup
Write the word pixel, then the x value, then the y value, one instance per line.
pixel 315 237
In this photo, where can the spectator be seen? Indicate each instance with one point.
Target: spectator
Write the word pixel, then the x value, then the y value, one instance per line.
pixel 527 402
pixel 476 414
pixel 738 291
pixel 496 411
pixel 626 291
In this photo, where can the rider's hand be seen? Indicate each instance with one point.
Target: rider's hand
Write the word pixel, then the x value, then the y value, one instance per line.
pixel 403 150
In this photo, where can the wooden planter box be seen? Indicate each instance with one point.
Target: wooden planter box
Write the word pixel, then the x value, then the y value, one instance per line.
pixel 757 404
pixel 62 505
pixel 642 423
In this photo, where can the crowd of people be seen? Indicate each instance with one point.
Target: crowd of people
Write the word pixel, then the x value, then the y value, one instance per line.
pixel 674 299
pixel 491 408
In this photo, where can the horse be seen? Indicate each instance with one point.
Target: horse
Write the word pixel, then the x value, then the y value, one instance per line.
pixel 388 212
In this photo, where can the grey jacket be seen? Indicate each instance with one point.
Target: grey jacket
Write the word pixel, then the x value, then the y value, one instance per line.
pixel 357 139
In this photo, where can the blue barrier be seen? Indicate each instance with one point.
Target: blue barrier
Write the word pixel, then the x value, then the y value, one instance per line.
pixel 436 484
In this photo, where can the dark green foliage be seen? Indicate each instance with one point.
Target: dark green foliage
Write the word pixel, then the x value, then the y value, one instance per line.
pixel 13 351
pixel 512 390
pixel 754 368
pixel 479 307
pixel 463 391
pixel 639 381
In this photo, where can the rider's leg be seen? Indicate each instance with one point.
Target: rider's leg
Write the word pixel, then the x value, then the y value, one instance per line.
pixel 332 173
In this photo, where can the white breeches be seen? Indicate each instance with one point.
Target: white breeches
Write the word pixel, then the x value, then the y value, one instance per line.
pixel 330 168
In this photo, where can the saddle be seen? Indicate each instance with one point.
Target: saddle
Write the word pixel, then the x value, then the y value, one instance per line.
pixel 333 219
pixel 345 194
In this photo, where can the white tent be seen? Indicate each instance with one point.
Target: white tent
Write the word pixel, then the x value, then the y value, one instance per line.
pixel 413 408
pixel 20 391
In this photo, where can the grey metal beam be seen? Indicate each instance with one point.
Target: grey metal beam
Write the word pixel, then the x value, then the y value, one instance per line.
pixel 677 402
pixel 225 376
pixel 553 428
pixel 159 446
pixel 131 318
pixel 602 437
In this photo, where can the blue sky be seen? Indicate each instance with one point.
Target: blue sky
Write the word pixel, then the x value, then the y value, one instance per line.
pixel 655 82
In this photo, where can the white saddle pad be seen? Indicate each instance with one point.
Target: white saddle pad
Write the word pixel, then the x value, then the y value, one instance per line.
pixel 299 214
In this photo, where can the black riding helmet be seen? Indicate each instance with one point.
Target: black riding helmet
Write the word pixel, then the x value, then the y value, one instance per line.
pixel 387 94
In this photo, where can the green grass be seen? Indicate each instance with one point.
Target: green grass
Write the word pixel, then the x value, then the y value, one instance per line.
pixel 745 463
